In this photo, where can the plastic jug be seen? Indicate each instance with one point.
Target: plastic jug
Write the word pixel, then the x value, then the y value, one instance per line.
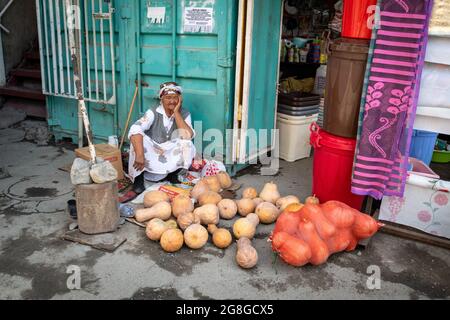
pixel 320 81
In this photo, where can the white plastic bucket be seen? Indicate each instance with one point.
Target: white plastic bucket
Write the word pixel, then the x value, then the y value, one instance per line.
pixel 294 136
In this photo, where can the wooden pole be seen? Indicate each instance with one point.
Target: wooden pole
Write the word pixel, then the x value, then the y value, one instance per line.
pixel 73 24
pixel 129 116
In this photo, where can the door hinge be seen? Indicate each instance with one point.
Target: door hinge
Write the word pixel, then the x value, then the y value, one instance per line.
pixel 239 113
pixel 226 62
pixel 53 122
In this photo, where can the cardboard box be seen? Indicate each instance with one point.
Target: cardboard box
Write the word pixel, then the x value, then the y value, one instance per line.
pixel 107 152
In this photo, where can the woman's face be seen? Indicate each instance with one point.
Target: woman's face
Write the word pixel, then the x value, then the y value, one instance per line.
pixel 170 101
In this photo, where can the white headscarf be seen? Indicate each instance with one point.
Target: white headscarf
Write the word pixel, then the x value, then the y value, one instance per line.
pixel 170 88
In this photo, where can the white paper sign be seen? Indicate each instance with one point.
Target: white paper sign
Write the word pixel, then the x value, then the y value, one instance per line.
pixel 156 14
pixel 198 20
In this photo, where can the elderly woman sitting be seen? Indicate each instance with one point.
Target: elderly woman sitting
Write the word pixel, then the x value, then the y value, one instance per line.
pixel 161 140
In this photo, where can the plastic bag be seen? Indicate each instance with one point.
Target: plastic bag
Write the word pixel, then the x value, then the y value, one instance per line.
pixel 313 233
pixel 212 167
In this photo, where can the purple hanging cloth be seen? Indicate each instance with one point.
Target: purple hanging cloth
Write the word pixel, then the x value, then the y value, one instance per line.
pixel 389 107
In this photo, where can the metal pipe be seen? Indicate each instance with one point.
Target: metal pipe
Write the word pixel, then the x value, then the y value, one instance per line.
pixel 2 63
pixel 139 65
pixel 41 49
pixel 52 35
pixel 102 43
pixel 85 99
pixel 113 67
pixel 46 47
pixel 4 28
pixel 69 86
pixel 6 8
pixel 113 58
pixel 174 40
pixel 81 48
pixel 58 30
pixel 95 47
pixel 88 65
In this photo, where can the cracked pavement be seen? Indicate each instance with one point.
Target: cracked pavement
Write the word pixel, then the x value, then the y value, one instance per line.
pixel 34 260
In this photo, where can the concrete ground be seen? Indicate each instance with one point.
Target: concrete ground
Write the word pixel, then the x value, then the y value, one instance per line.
pixel 34 260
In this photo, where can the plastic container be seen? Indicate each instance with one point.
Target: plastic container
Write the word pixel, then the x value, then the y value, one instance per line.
pixel 357 18
pixel 441 156
pixel 298 99
pixel 298 113
pixel 345 78
pixel 283 107
pixel 294 136
pixel 332 167
pixel 422 145
pixel 425 205
pixel 320 80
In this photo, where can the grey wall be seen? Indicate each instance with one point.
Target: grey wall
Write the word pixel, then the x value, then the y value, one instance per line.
pixel 20 19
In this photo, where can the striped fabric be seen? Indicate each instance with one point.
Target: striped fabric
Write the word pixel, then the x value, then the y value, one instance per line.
pixel 389 100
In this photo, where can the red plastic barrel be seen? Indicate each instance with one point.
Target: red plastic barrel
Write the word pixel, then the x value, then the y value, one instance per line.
pixel 332 167
pixel 356 17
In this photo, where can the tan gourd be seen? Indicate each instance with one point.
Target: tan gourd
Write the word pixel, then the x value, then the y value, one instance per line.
pixel 172 240
pixel 221 237
pixel 213 183
pixel 161 210
pixel 153 197
pixel 195 236
pixel 209 214
pixel 245 206
pixel 181 204
pixel 246 227
pixel 283 202
pixel 267 212
pixel 184 220
pixel 249 193
pixel 227 209
pixel 246 255
pixel 312 200
pixel 294 207
pixel 172 224
pixel 199 189
pixel 209 197
pixel 257 201
pixel 270 193
pixel 224 180
pixel 156 227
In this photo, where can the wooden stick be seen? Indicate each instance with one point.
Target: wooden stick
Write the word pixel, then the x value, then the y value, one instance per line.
pixel 74 42
pixel 129 116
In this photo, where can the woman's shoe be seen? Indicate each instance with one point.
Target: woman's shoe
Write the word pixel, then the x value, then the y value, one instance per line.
pixel 138 185
pixel 173 177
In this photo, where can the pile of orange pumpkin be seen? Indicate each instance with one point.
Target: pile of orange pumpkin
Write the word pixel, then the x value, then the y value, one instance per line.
pixel 311 233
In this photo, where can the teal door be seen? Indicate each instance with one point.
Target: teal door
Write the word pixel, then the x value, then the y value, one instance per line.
pixel 199 57
pixel 256 78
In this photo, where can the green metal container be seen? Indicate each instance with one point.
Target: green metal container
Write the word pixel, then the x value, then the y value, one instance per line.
pixel 155 41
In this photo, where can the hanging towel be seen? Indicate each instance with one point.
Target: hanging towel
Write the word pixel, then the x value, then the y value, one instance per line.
pixel 389 100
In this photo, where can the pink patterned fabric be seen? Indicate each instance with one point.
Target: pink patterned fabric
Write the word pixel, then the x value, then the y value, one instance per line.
pixel 389 106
